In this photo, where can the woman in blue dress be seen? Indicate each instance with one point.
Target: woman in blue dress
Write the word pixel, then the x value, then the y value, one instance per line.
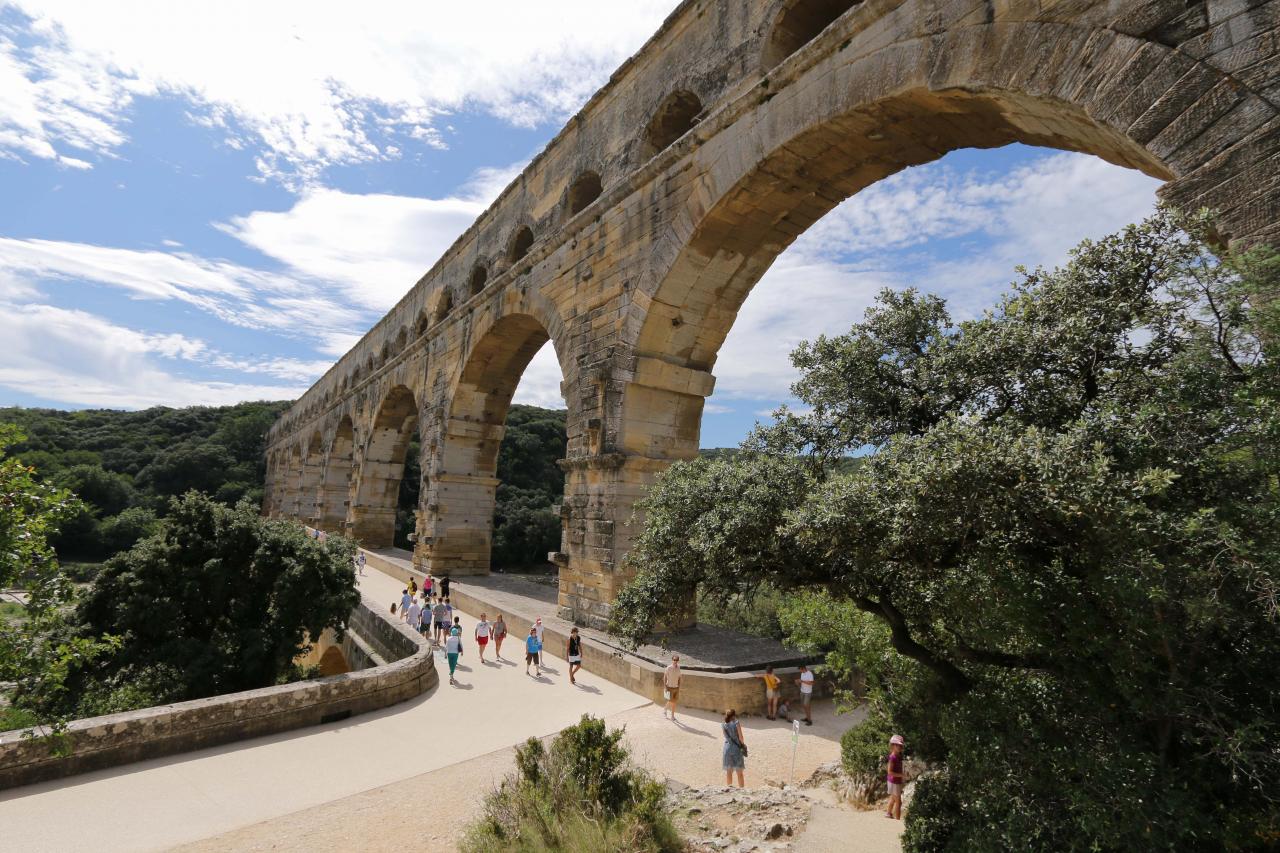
pixel 735 748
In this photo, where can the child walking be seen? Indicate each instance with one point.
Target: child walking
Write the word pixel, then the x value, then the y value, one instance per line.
pixel 895 777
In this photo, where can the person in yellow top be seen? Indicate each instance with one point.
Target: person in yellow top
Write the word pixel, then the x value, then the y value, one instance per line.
pixel 771 685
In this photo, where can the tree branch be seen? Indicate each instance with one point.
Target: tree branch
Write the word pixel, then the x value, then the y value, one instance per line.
pixel 902 641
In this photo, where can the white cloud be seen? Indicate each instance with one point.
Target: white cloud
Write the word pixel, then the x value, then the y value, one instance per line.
pixel 231 292
pixel 540 384
pixel 315 83
pixel 345 259
pixel 883 237
pixel 373 246
pixel 76 357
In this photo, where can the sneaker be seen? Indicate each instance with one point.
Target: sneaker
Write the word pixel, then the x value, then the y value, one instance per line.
pixel 808 722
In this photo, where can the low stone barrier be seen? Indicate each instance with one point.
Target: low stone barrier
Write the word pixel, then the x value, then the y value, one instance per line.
pixel 108 741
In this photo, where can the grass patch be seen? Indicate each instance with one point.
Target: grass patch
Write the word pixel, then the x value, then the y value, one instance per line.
pixel 12 612
pixel 16 718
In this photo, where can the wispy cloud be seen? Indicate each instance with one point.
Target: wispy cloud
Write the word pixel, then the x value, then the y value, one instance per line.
pixel 310 85
pixel 77 357
pixel 886 236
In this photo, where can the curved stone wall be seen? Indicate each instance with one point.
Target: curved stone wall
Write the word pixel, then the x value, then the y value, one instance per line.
pixel 99 742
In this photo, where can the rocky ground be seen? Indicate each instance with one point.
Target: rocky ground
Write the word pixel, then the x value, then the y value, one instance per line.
pixel 814 816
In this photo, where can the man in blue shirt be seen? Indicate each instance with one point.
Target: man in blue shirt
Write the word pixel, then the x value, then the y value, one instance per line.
pixel 532 648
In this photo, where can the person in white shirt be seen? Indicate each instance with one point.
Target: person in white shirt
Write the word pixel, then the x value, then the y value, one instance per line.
pixel 806 692
pixel 482 634
pixel 671 686
pixel 415 615
pixel 452 651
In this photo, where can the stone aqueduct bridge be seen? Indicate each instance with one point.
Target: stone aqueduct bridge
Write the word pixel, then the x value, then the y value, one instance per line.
pixel 633 239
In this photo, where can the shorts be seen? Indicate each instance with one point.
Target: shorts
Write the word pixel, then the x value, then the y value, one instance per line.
pixel 806 698
pixel 575 658
pixel 442 625
pixel 482 641
pixel 673 693
pixel 895 788
pixel 770 694
pixel 530 657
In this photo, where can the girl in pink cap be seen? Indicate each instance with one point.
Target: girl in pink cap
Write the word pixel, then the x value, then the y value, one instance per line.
pixel 895 778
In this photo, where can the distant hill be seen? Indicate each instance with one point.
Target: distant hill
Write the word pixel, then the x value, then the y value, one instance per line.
pixel 126 465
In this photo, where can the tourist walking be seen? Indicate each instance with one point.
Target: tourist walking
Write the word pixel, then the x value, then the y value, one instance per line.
pixel 482 634
pixel 573 653
pixel 895 777
pixel 415 615
pixel 735 748
pixel 413 586
pixel 405 600
pixel 771 685
pixel 532 652
pixel 453 651
pixel 537 626
pixel 360 563
pixel 440 613
pixel 427 585
pixel 499 634
pixel 806 692
pixel 671 687
pixel 444 587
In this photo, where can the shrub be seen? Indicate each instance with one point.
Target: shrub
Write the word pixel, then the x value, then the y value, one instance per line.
pixel 862 752
pixel 582 794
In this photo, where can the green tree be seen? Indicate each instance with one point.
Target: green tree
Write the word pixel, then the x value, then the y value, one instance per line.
pixel 116 461
pixel 219 600
pixel 1066 529
pixel 30 656
pixel 186 467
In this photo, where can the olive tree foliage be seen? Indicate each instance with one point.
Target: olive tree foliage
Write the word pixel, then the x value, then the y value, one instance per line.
pixel 1066 529
pixel 219 600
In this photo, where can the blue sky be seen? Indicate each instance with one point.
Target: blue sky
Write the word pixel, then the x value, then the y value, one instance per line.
pixel 207 204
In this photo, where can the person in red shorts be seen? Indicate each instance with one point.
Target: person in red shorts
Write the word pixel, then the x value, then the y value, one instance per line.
pixel 483 629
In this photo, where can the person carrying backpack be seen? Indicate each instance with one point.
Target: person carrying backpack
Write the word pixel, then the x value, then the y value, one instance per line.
pixel 453 651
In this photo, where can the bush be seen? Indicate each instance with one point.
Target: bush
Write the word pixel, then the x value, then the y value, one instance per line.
pixel 862 752
pixel 582 794
pixel 121 532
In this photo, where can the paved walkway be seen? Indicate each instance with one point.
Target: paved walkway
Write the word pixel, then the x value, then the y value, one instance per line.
pixel 158 804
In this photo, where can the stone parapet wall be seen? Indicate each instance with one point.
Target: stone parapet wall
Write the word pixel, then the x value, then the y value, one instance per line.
pixel 116 739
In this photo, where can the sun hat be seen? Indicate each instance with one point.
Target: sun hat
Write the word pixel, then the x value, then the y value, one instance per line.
pixel 898 740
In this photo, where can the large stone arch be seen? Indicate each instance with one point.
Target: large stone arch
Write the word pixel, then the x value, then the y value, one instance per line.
pixel 339 474
pixel 373 515
pixel 801 103
pixel 459 500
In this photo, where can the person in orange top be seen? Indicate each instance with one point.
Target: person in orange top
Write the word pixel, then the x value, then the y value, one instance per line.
pixel 771 685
